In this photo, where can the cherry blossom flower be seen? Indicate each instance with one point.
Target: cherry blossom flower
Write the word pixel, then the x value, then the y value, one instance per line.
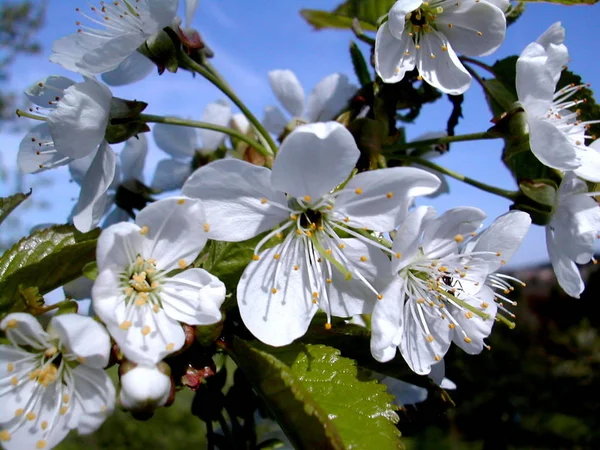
pixel 144 388
pixel 328 98
pixel 427 35
pixel 556 134
pixel 134 295
pixel 52 381
pixel 440 294
pixel 182 143
pixel 125 25
pixel 306 200
pixel 572 232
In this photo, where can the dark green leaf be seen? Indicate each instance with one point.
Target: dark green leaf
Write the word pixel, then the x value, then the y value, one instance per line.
pixel 360 65
pixel 90 270
pixel 540 191
pixel 315 379
pixel 514 12
pixel 8 204
pixel 47 259
pixel 368 12
pixel 499 97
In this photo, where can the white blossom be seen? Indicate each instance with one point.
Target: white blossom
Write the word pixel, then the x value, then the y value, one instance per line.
pixel 52 381
pixel 144 388
pixel 428 36
pixel 327 99
pixel 134 295
pixel 305 203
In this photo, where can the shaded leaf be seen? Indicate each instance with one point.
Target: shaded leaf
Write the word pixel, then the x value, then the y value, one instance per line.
pixel 360 65
pixel 47 259
pixel 8 204
pixel 368 12
pixel 541 191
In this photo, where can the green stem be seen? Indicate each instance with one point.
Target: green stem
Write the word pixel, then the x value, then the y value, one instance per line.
pixel 478 63
pixel 484 135
pixel 225 89
pixel 511 195
pixel 208 126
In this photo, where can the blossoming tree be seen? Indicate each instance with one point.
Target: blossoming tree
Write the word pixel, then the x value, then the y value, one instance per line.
pixel 289 250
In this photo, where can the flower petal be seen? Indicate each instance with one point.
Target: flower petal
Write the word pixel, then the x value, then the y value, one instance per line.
pixel 274 120
pixel 393 57
pixel 408 237
pixel 167 220
pixel 551 146
pixel 83 337
pixel 233 193
pixel 92 202
pixel 193 297
pixel 37 152
pixel 133 158
pixel 132 69
pixel 177 141
pixel 274 299
pixel 288 91
pixel 94 399
pixel 387 321
pixel 48 91
pixel 476 328
pixel 379 199
pixel 566 271
pixel 144 387
pixel 78 124
pixel 171 174
pixel 397 15
pixel 329 97
pixel 218 113
pixel 79 289
pixel 119 245
pixel 590 165
pixel 314 159
pixel 24 329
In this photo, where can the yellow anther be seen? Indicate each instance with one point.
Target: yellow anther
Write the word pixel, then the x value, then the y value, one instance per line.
pixel 206 227
pixel 429 338
pixel 255 257
pixel 143 231
pixel 432 56
pixel 296 267
pixel 469 315
pixel 307 198
pixel 328 326
pixel 298 231
pixel 502 261
pixel 389 194
pixel 479 33
pixel 463 274
pixel 459 238
pixel 450 25
pixel 170 346
pixel 329 207
pixel 140 301
pixel 4 435
pixel 342 246
pixel 66 398
pixel 19 412
pixel 308 233
pixel 146 330
pixel 358 191
pixel 451 326
pixel 420 301
pixel 328 280
pixel 156 308
pixel 12 323
pixel 279 235
pixel 468 340
pixel 44 425
pixel 126 325
pixel 153 285
pixel 41 444
pixel 379 297
pixel 293 217
pixel 398 255
pixel 274 291
pixel 437 358
pixel 30 416
pixel 10 367
pixel 128 291
pixel 276 256
pixel 180 201
pixel 364 258
pixel 328 251
pixel 315 294
pixel 182 264
pixel 14 381
pixel 498 254
pixel 263 200
pixel 484 305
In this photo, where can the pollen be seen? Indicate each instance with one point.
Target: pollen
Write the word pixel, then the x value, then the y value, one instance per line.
pixel 146 330
pixel 263 200
pixel 328 251
pixel 389 194
pixel 468 340
pixel 30 416
pixel 182 264
pixel 12 323
pixel 279 235
pixel 429 338
pixel 307 198
pixel 298 231
pixel 451 326
pixel 143 232
pixel 346 219
pixel 469 315
pixel 19 412
pixel 41 444
pixel 315 294
pixel 450 25
pixel 44 425
pixel 126 325
pixel 14 381
pixel 296 267
pixel 180 201
pixel 4 436
pixel 328 280
pixel 10 367
pixel 459 238
pixel 274 291
pixel 170 346
pixel 255 257
pixel 358 191
pixel 328 326
pixel 66 398
pixel 206 227
pixel 140 301
pixel 342 246
pixel 484 305
pixel 276 256
pixel 364 258
pixel 379 297
pixel 479 33
pixel 398 255
pixel 437 358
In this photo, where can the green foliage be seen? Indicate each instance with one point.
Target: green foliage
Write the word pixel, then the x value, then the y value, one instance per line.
pixel 8 204
pixel 360 65
pixel 47 259
pixel 318 397
pixel 589 109
pixel 368 12
pixel 541 191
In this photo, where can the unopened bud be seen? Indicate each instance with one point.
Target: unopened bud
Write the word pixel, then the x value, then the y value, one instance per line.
pixel 145 388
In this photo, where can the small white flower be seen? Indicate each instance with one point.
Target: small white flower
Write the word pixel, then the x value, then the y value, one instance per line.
pixel 440 294
pixel 182 143
pixel 304 200
pixel 126 24
pixel 52 381
pixel 141 305
pixel 556 134
pixel 427 35
pixel 328 98
pixel 144 388
pixel 572 232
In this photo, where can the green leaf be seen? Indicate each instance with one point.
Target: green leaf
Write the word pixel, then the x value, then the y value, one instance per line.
pixel 360 65
pixel 318 396
pixel 540 191
pixel 368 12
pixel 90 270
pixel 498 96
pixel 8 204
pixel 47 259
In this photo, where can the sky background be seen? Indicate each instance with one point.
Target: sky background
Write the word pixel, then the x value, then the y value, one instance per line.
pixel 252 37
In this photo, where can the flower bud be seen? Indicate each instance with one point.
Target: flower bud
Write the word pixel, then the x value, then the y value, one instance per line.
pixel 144 388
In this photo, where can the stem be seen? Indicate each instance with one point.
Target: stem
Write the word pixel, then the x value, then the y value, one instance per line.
pixel 225 89
pixel 478 63
pixel 208 126
pixel 380 240
pixel 511 195
pixel 484 135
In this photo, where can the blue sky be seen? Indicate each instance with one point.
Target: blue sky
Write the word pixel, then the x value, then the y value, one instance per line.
pixel 251 37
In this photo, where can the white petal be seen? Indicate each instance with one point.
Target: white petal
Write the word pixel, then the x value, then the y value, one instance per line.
pixel 133 68
pixel 329 97
pixel 404 393
pixel 274 120
pixel 379 199
pixel 566 271
pixel 160 14
pixel 190 10
pixel 144 387
pixel 408 237
pixel 79 289
pixel 91 205
pixel 39 140
pixel 83 337
pixel 314 159
pixel 133 157
pixel 468 22
pixel 79 167
pixel 218 113
pixel 288 91
pixel 119 245
pixel 276 318
pixel 171 174
pixel 232 192
pixel 535 84
pixel 590 165
pixel 94 399
pixel 443 70
pixel 24 329
pixel 393 57
pixel 177 141
pixel 115 216
pixel 78 124
pixel 387 321
pixel 193 297
pixel 109 54
pixel 45 92
pixel 398 12
pixel 476 328
pixel 168 220
pixel 551 146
